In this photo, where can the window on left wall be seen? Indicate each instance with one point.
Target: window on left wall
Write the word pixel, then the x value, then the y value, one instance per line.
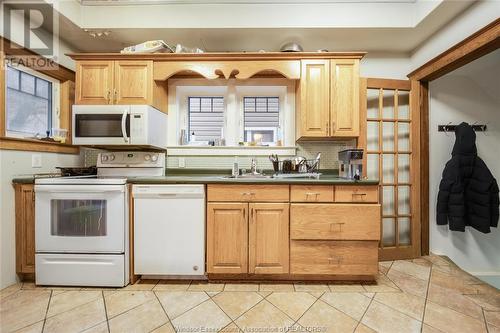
pixel 31 103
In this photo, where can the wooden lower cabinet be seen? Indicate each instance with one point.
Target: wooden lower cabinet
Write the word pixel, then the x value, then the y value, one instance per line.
pixel 268 238
pixel 356 194
pixel 307 235
pixel 334 257
pixel 247 238
pixel 227 238
pixel 25 229
pixel 335 221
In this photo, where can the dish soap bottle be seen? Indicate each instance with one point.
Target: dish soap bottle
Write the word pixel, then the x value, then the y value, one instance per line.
pixel 193 137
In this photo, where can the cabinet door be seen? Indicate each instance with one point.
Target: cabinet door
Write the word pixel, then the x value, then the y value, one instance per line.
pixel 133 82
pixel 344 98
pixel 314 97
pixel 94 82
pixel 227 238
pixel 25 228
pixel 268 238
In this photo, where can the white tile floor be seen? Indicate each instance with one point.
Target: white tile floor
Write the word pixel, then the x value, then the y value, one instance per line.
pixel 429 294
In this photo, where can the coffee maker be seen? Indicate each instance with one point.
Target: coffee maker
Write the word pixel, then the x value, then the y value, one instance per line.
pixel 351 164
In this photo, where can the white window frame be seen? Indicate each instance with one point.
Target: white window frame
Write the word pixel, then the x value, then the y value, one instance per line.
pixel 55 100
pixel 233 91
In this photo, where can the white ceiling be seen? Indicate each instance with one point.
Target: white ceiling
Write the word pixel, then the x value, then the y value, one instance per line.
pixel 243 25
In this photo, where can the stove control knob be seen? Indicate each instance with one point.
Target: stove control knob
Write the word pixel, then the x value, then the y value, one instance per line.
pixel 112 157
pixel 105 158
pixel 154 158
pixel 147 157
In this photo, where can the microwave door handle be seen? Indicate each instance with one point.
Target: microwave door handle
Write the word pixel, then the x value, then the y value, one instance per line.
pixel 124 128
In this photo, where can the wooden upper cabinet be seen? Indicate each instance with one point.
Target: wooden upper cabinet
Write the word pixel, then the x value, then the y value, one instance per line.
pixel 328 99
pixel 268 238
pixel 344 98
pixel 314 99
pixel 119 82
pixel 25 229
pixel 133 82
pixel 227 238
pixel 94 82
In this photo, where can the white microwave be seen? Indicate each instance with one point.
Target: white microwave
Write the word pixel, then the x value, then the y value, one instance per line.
pixel 119 125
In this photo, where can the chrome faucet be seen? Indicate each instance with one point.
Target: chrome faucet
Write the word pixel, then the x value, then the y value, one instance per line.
pixel 253 166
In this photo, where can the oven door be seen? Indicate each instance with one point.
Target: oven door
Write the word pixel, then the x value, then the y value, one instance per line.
pixel 80 218
pixel 101 125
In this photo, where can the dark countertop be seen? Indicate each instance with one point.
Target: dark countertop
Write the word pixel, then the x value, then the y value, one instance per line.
pixel 24 180
pixel 184 176
pixel 212 179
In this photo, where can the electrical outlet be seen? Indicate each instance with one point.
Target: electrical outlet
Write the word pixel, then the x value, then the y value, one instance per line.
pixel 36 160
pixel 182 162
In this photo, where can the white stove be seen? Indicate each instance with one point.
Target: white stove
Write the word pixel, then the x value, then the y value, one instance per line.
pixel 81 222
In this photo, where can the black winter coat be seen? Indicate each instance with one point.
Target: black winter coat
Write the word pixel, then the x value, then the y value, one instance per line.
pixel 468 193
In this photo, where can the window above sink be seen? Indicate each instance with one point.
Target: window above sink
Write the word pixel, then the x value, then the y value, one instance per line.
pixel 231 117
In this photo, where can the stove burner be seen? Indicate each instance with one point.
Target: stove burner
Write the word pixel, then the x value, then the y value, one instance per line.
pixel 72 172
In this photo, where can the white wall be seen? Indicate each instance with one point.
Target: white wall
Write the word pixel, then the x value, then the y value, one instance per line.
pixel 470 94
pixel 387 65
pixel 16 164
pixel 474 18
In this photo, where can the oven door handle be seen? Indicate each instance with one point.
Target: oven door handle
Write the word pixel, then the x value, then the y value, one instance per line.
pixel 124 127
pixel 77 189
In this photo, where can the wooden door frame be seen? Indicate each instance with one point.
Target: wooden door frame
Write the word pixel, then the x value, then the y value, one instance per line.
pixel 471 48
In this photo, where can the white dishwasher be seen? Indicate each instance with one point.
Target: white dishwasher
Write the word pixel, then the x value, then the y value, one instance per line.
pixel 169 229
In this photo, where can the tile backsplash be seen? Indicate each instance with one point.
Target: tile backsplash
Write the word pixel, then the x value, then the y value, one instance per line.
pixel 329 157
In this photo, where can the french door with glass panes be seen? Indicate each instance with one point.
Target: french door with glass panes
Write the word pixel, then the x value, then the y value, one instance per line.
pixel 387 131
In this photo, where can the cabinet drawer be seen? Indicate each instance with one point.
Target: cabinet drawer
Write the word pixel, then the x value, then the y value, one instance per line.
pixel 311 193
pixel 335 221
pixel 334 257
pixel 350 193
pixel 252 193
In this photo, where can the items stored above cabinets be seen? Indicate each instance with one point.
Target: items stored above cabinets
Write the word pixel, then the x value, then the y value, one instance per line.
pixel 328 99
pixel 120 82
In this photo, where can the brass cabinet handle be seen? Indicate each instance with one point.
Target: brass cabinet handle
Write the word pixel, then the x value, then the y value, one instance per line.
pixel 251 214
pixel 116 95
pixel 361 195
pixel 335 260
pixel 340 224
pixel 108 96
pixel 315 194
